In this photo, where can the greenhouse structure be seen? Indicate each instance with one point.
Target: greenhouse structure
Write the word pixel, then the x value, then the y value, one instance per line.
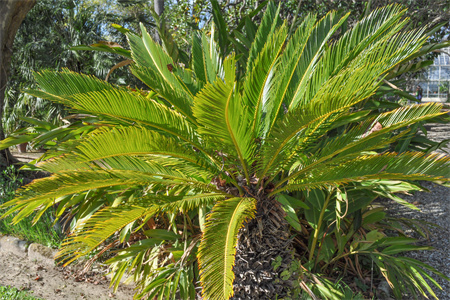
pixel 435 80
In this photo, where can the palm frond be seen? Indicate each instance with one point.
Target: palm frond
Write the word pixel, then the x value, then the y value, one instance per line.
pixel 61 86
pixel 379 24
pixel 270 21
pixel 433 167
pixel 258 81
pixel 294 78
pixel 183 203
pixel 217 248
pixel 335 97
pixel 91 233
pixel 211 58
pixel 102 144
pixel 288 62
pixel 45 190
pixel 64 163
pixel 147 53
pixel 132 108
pixel 198 59
pixel 177 97
pixel 225 120
pixel 361 138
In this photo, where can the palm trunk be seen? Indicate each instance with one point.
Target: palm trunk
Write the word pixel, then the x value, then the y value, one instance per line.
pixel 263 267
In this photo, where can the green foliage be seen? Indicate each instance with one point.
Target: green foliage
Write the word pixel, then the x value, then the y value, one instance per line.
pixel 44 40
pixel 10 293
pixel 42 232
pixel 168 176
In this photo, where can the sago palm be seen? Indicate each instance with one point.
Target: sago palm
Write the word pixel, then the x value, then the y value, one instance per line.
pixel 231 148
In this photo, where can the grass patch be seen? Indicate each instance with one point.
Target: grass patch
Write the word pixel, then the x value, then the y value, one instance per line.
pixel 42 232
pixel 10 293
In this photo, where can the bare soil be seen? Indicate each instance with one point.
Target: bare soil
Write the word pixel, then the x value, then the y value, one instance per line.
pixel 56 283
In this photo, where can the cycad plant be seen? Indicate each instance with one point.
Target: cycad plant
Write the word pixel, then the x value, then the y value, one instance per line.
pixel 200 176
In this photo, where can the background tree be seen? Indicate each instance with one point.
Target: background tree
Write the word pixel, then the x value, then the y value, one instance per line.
pixel 44 41
pixel 13 12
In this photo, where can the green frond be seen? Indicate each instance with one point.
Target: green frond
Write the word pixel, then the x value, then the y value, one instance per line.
pixel 293 82
pixel 217 248
pixel 270 21
pixel 300 127
pixel 65 162
pixel 211 57
pixel 178 166
pixel 147 53
pixel 45 190
pixel 229 69
pixel 177 97
pixel 92 95
pixel 367 167
pixel 198 60
pixel 360 138
pixel 379 58
pixel 225 121
pixel 61 86
pixel 182 203
pixel 91 233
pixel 336 96
pixel 407 274
pixel 206 61
pixel 102 144
pixel 378 25
pixel 259 80
pixel 132 108
pixel 284 70
pixel 181 166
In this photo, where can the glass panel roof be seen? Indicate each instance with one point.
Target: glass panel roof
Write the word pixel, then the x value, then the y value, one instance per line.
pixel 435 80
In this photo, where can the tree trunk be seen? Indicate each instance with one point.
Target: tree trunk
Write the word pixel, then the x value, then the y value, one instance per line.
pixel 264 266
pixel 159 9
pixel 12 13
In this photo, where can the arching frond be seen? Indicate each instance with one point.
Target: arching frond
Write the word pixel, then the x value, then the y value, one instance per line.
pixel 178 98
pixel 362 138
pixel 217 248
pixel 61 86
pixel 64 163
pixel 91 233
pixel 349 87
pixel 294 77
pixel 182 203
pixel 102 144
pixel 133 108
pixel 147 53
pixel 224 121
pixel 259 79
pixel 367 167
pixel 380 24
pixel 45 190
pixel 269 23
